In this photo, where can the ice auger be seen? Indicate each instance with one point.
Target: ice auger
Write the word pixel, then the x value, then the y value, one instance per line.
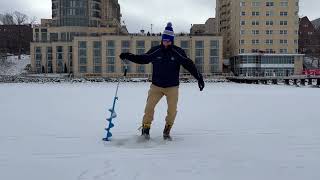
pixel 112 110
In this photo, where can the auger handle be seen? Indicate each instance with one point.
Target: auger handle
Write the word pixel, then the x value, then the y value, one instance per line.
pixel 125 67
pixel 125 71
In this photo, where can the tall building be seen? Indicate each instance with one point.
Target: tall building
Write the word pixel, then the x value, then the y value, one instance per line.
pixel 92 13
pixel 210 27
pixel 260 36
pixel 85 38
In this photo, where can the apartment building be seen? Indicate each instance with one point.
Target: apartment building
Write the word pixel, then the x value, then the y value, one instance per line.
pixel 263 29
pixel 98 56
pixel 210 27
pixel 85 38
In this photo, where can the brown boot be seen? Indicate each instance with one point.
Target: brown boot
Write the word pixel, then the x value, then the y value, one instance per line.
pixel 166 132
pixel 146 131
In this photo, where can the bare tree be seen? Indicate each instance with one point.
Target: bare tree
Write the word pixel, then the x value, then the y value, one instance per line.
pixel 15 18
pixel 20 18
pixel 7 19
pixel 33 20
pixel 1 19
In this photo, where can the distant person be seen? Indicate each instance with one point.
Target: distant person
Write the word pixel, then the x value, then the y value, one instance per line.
pixel 166 60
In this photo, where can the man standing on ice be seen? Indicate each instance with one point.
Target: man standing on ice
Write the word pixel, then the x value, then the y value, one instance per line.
pixel 166 60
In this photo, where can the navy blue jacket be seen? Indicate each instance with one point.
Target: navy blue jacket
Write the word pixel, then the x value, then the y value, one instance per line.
pixel 166 64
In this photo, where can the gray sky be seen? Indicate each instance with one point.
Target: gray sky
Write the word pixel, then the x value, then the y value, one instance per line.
pixel 140 14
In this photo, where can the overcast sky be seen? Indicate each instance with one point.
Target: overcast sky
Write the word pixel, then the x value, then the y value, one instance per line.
pixel 140 14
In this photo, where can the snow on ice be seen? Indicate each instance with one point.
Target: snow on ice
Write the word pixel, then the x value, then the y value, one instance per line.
pixel 227 132
pixel 13 65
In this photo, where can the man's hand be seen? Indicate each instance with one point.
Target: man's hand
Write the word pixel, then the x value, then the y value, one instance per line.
pixel 201 83
pixel 124 56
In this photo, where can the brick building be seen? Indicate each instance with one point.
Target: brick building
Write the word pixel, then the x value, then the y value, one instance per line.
pixel 15 37
pixel 309 37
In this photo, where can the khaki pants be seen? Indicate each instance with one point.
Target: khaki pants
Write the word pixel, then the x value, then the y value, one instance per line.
pixel 154 96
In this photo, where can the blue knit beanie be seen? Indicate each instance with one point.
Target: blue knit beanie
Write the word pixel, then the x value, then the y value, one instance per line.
pixel 168 33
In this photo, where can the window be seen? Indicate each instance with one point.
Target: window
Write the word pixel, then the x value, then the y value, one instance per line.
pixel 242 32
pixel 38 58
pixel 269 4
pixel 256 3
pixel 255 23
pixel 140 44
pixel 283 32
pixel 82 52
pixel 214 44
pixel 269 41
pixel 140 49
pixel 125 48
pixel 255 41
pixel 270 51
pixel 141 69
pixel 111 53
pixel 243 13
pixel 242 4
pixel 242 41
pixel 199 44
pixel 70 50
pixel 199 55
pixel 283 41
pixel 255 13
pixel 111 44
pixel 83 69
pixel 59 58
pixel 185 45
pixel 214 52
pixel 243 23
pixel 283 13
pixel 44 35
pixel 255 32
pixel 82 44
pixel 283 23
pixel 269 23
pixel 155 43
pixel 284 4
pixel 49 60
pixel 97 69
pixel 283 51
pixel 110 68
pixel 97 56
pixel 54 37
pixel 269 32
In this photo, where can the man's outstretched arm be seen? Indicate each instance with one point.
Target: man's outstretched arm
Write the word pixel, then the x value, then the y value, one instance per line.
pixel 139 59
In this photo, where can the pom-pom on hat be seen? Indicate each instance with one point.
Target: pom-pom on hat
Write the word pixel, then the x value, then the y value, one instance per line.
pixel 168 33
